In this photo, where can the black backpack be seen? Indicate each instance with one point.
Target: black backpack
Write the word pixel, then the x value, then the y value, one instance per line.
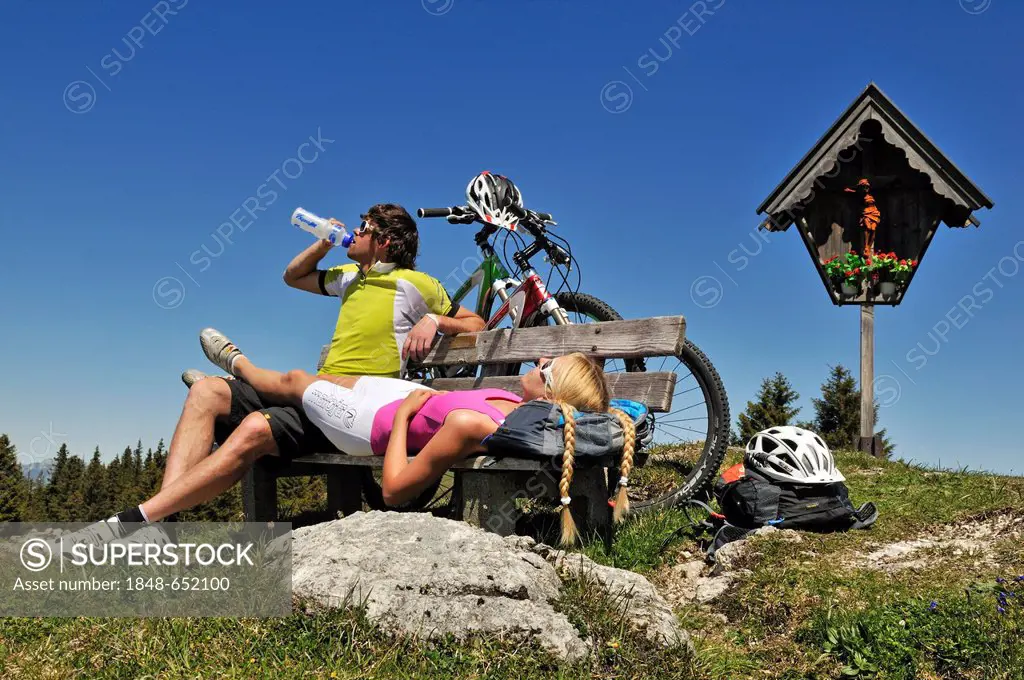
pixel 753 500
pixel 534 430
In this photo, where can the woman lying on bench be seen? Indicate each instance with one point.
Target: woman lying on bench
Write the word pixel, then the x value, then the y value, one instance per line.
pixel 369 415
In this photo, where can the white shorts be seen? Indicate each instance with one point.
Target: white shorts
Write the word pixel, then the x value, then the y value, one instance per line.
pixel 345 416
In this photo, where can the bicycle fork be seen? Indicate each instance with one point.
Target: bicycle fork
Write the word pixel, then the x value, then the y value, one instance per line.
pixel 548 305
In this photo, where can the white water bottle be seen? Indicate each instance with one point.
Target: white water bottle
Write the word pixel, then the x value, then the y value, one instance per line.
pixel 321 228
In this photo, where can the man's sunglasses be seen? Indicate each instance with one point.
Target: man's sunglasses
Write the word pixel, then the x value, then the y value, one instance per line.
pixel 364 228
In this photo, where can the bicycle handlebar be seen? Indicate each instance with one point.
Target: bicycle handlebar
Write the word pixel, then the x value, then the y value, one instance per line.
pixel 527 214
pixel 435 212
pixel 464 212
pixel 532 221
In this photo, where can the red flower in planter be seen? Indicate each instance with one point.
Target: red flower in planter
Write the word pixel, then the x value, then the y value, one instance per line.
pixel 856 270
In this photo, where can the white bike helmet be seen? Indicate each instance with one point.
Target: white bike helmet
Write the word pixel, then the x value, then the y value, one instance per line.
pixel 496 199
pixel 792 454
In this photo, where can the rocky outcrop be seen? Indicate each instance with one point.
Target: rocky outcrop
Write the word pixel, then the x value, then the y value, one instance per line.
pixel 646 610
pixel 425 576
pixel 695 581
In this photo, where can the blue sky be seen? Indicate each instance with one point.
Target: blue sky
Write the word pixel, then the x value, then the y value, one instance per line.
pixel 132 135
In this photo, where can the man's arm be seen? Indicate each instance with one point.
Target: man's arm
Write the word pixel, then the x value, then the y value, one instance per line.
pixel 442 317
pixel 464 321
pixel 422 336
pixel 302 272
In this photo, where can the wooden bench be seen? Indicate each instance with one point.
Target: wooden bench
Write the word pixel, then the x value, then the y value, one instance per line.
pixel 486 486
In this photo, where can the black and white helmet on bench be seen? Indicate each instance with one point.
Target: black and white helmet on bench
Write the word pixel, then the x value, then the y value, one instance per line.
pixel 792 454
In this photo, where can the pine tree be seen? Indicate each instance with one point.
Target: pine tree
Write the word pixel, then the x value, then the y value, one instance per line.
pixel 837 418
pixel 75 493
pixel 35 503
pixel 13 485
pixel 97 498
pixel 124 481
pixel 57 487
pixel 773 407
pixel 114 485
pixel 137 465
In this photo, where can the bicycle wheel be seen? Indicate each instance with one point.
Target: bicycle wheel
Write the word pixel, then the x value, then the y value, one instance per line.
pixel 690 440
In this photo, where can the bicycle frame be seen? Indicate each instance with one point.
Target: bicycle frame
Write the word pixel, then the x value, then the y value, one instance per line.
pixel 529 297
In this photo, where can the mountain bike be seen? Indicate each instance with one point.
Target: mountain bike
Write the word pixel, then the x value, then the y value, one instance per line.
pixel 690 441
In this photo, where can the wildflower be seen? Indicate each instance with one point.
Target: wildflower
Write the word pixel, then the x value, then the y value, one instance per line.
pixel 934 605
pixel 1000 610
pixel 334 674
pixel 1000 579
pixel 1020 578
pixel 613 644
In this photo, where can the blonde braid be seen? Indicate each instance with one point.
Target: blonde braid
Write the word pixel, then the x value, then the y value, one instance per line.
pixel 629 443
pixel 569 531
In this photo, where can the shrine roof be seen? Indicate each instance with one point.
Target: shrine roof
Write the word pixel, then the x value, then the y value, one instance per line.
pixel 922 154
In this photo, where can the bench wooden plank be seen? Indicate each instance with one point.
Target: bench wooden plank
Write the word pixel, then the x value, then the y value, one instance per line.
pixel 655 336
pixel 653 389
pixel 304 464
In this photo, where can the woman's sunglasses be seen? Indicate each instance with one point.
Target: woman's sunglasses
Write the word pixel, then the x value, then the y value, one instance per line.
pixel 546 369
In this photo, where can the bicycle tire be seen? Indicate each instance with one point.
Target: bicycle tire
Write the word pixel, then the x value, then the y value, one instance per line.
pixel 716 441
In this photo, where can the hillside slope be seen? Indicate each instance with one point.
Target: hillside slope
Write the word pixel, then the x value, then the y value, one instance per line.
pixel 932 591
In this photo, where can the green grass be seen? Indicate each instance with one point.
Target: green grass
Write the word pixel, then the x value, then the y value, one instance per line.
pixel 804 610
pixel 329 644
pixel 777 615
pixel 979 628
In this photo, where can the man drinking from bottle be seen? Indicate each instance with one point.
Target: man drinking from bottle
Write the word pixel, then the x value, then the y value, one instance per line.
pixel 389 313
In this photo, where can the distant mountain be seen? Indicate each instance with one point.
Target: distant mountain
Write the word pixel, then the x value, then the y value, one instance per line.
pixel 38 471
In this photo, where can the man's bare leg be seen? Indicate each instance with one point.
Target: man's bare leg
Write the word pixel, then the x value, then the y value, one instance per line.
pixel 218 472
pixel 207 400
pixel 287 387
pixel 274 386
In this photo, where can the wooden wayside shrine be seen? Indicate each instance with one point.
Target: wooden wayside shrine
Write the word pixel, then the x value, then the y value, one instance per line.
pixel 872 184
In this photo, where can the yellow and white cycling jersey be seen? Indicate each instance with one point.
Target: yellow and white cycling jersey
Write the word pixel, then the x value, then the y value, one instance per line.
pixel 378 310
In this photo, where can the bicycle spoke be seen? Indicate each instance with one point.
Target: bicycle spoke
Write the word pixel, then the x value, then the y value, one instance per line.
pixel 687 429
pixel 697 387
pixel 687 408
pixel 681 420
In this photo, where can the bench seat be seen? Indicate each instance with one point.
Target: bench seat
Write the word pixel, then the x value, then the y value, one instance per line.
pixel 486 486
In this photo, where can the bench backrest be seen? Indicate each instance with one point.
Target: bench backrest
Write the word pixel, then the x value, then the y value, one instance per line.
pixel 651 337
